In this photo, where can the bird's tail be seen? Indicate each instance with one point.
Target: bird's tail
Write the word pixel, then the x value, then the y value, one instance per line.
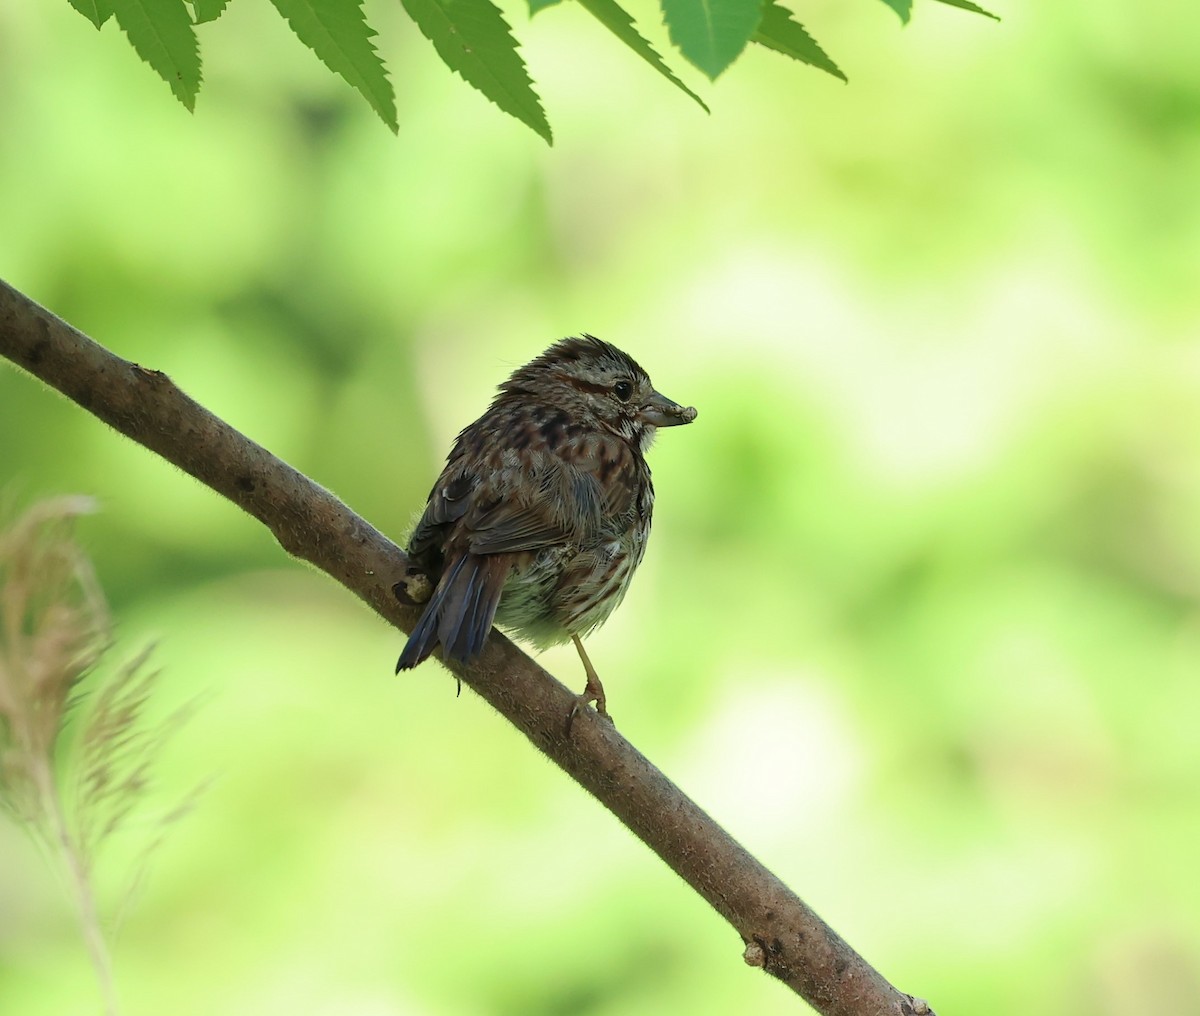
pixel 460 612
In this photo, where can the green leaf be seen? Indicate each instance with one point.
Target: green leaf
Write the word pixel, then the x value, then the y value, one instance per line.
pixel 609 14
pixel 966 5
pixel 541 5
pixel 208 10
pixel 338 33
pixel 472 37
pixel 779 32
pixel 711 33
pixel 96 11
pixel 161 32
pixel 901 7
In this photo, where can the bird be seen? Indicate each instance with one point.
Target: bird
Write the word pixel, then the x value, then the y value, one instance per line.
pixel 542 512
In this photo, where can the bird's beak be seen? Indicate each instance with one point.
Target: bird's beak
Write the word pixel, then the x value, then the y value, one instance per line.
pixel 659 411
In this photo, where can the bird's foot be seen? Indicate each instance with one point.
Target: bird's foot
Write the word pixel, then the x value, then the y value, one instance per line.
pixel 594 692
pixel 414 589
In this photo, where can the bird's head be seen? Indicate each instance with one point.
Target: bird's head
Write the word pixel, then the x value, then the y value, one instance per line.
pixel 600 387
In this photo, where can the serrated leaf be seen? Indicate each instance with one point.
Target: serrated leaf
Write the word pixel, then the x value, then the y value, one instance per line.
pixel 341 38
pixel 208 10
pixel 966 5
pixel 162 34
pixel 779 32
pixel 472 38
pixel 711 33
pixel 96 11
pixel 540 5
pixel 901 7
pixel 617 21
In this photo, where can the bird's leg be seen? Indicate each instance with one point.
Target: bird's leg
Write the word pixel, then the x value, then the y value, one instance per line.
pixel 594 692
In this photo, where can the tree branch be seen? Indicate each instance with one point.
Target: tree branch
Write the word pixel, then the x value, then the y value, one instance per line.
pixel 781 934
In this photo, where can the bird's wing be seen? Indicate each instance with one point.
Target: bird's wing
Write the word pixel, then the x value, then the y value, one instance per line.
pixel 551 504
pixel 527 501
pixel 474 524
pixel 448 502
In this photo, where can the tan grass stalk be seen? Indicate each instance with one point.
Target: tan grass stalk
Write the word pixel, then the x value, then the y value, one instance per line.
pixel 54 628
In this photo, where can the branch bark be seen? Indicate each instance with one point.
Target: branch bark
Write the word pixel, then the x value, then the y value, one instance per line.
pixel 781 934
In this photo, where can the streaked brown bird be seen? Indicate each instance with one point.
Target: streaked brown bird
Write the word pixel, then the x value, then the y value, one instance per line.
pixel 542 512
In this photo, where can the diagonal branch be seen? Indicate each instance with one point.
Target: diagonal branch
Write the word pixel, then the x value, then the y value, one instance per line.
pixel 781 934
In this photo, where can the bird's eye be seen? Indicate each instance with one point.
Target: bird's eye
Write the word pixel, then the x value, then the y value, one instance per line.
pixel 623 390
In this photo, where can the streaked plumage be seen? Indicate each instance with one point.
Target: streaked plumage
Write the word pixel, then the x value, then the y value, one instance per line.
pixel 542 512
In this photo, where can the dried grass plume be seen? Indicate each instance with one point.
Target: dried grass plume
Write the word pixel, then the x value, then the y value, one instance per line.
pixel 75 750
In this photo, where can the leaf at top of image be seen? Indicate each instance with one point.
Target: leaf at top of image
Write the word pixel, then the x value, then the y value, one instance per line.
pixel 966 5
pixel 610 14
pixel 161 32
pixel 96 11
pixel 782 34
pixel 472 38
pixel 208 10
pixel 711 33
pixel 902 7
pixel 337 32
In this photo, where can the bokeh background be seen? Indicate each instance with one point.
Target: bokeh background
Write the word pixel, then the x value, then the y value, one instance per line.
pixel 919 618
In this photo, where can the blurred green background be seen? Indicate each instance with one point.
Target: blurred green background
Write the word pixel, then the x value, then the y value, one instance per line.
pixel 918 622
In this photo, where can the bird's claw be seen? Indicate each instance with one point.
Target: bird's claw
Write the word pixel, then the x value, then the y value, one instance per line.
pixel 592 693
pixel 414 589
